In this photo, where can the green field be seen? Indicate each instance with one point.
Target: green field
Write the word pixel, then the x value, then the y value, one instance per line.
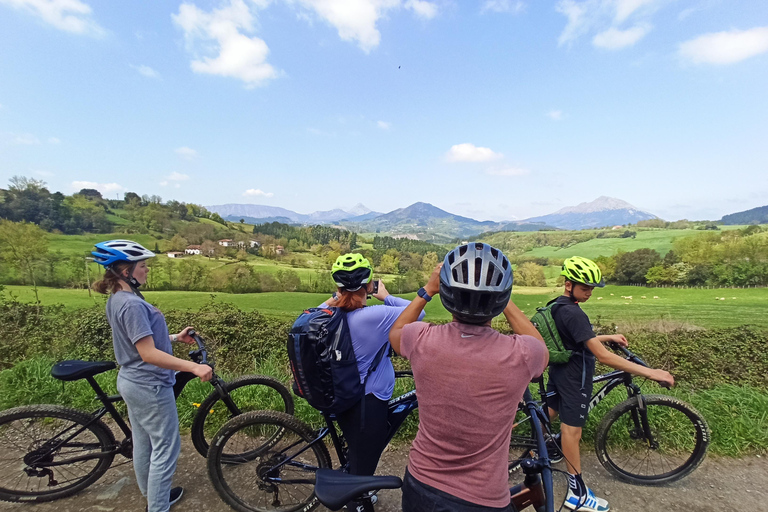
pixel 674 307
pixel 660 240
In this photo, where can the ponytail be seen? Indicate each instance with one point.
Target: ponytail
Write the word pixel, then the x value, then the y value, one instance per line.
pixel 110 283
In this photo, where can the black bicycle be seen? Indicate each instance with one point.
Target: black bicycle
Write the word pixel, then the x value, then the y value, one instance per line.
pixel 49 452
pixel 335 488
pixel 279 455
pixel 646 439
pixel 295 473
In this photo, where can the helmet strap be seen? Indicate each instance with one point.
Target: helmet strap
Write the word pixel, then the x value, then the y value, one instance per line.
pixel 130 280
pixel 570 292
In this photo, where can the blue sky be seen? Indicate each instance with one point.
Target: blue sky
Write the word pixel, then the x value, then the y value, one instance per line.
pixel 490 109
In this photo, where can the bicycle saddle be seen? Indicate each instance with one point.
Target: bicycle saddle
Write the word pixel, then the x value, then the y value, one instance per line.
pixel 75 369
pixel 335 489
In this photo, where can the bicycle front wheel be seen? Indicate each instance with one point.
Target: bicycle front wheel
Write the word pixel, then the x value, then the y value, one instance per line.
pixel 248 393
pixel 49 452
pixel 264 477
pixel 672 446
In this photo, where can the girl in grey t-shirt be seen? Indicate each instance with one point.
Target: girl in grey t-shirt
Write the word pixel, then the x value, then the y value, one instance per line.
pixel 147 369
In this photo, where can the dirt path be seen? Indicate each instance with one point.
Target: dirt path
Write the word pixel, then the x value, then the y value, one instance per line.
pixel 719 484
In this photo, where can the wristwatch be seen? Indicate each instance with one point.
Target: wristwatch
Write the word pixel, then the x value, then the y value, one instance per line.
pixel 423 294
pixel 174 338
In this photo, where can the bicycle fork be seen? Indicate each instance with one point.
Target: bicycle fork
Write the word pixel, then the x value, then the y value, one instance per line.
pixel 642 430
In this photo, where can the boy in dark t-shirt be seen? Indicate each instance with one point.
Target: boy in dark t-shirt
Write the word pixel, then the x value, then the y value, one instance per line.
pixel 573 380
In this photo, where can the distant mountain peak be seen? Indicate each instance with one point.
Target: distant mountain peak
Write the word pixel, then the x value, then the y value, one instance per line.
pixel 601 204
pixel 359 209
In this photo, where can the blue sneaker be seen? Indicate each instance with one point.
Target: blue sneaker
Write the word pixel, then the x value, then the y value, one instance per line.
pixel 588 503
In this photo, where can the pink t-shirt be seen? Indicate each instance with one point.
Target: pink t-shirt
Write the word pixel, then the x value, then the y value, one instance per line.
pixel 469 380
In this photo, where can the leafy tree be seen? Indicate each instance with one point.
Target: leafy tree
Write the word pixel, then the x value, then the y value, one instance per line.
pixel 631 267
pixel 530 274
pixel 178 243
pixel 24 246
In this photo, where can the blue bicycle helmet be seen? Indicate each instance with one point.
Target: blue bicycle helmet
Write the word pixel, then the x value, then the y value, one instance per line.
pixel 475 282
pixel 112 251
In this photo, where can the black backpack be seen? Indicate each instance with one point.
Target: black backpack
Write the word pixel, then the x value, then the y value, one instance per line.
pixel 323 361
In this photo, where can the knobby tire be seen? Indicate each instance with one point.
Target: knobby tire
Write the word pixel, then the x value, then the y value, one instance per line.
pixel 24 432
pixel 249 393
pixel 265 478
pixel 623 451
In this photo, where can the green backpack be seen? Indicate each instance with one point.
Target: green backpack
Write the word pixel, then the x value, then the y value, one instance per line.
pixel 545 324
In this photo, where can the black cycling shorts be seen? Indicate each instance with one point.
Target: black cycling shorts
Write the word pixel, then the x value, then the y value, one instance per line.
pixel 571 402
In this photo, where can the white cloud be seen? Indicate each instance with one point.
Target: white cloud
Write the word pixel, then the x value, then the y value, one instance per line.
pixel 507 171
pixel 68 15
pixel 470 153
pixel 384 125
pixel 615 39
pixel 146 71
pixel 426 10
pixel 104 188
pixel 605 17
pixel 255 192
pixel 186 153
pixel 725 47
pixel 54 140
pixel 555 115
pixel 220 33
pixel 512 6
pixel 174 178
pixel 354 20
pixel 26 139
pixel 625 8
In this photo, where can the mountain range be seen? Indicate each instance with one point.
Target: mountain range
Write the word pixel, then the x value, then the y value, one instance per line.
pixel 428 222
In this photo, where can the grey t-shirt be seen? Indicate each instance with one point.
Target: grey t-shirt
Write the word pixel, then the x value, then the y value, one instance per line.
pixel 132 319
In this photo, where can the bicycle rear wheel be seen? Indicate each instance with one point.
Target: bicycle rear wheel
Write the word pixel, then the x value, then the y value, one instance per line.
pixel 37 441
pixel 677 444
pixel 264 477
pixel 249 393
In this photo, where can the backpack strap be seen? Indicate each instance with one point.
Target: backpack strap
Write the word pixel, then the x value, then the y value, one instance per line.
pixel 384 350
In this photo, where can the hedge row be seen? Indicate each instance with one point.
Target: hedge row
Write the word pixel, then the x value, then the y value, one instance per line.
pixel 238 340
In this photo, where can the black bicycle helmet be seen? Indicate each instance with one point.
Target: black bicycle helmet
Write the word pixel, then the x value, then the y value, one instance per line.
pixel 475 282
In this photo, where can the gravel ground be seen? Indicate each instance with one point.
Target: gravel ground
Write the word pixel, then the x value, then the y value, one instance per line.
pixel 718 484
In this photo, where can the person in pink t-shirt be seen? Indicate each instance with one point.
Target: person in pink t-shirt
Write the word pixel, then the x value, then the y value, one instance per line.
pixel 469 379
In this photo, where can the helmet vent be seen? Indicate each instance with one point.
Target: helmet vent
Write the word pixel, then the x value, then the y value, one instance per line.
pixel 478 270
pixel 132 252
pixel 494 252
pixel 463 250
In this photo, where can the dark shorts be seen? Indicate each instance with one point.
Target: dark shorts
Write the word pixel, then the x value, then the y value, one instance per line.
pixel 571 401
pixel 420 497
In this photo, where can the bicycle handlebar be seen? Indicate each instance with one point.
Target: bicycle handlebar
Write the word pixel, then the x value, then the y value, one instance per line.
pixel 635 359
pixel 200 355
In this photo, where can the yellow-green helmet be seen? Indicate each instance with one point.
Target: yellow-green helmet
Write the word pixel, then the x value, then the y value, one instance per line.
pixel 584 271
pixel 351 271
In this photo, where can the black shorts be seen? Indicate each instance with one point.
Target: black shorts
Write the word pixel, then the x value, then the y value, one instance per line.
pixel 571 402
pixel 420 497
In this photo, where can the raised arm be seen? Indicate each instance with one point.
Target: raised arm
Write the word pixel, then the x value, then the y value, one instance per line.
pixel 411 313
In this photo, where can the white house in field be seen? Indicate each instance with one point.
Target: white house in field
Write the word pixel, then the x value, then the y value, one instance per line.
pixel 175 254
pixel 193 249
pixel 227 242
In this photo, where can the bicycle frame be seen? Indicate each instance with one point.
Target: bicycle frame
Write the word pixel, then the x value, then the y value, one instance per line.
pixel 399 409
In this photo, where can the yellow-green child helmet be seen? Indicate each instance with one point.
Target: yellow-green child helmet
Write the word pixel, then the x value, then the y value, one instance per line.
pixel 584 271
pixel 351 271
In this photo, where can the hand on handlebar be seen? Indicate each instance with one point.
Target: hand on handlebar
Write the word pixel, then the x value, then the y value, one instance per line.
pixel 619 340
pixel 663 377
pixel 185 336
pixel 203 371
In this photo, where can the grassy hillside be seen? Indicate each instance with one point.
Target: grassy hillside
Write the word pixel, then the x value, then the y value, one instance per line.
pixel 674 307
pixel 660 240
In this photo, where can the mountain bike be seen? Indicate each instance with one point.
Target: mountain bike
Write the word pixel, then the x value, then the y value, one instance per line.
pixel 269 476
pixel 334 488
pixel 49 452
pixel 645 440
pixel 295 474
